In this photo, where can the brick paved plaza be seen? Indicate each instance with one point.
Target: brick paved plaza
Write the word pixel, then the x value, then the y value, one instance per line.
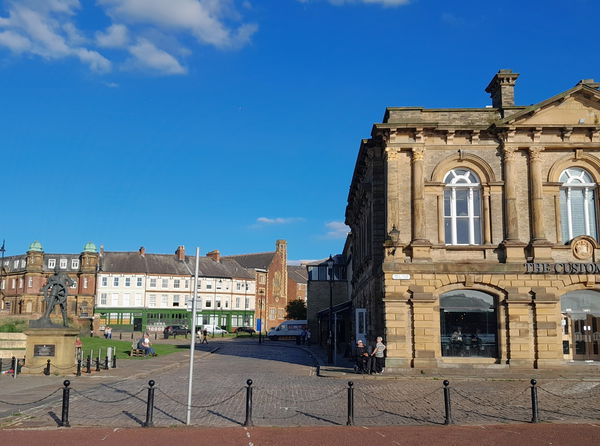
pixel 287 392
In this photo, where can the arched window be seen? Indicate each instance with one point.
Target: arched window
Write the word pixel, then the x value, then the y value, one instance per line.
pixel 577 204
pixel 462 208
pixel 468 323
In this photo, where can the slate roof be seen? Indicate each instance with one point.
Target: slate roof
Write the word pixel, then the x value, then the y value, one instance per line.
pixel 297 273
pixel 261 260
pixel 9 262
pixel 133 262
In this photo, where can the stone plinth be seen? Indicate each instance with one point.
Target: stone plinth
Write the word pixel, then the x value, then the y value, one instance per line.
pixel 55 344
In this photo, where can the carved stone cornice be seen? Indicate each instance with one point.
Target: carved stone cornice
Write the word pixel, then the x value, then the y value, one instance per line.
pixel 392 153
pixel 566 133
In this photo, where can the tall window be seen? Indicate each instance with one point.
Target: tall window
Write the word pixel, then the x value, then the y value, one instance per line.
pixel 462 208
pixel 577 204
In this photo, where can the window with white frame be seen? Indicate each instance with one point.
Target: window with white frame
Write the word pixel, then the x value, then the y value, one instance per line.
pixel 175 300
pixel 22 263
pixel 165 283
pixel 127 281
pixel 577 204
pixel 51 263
pixel 164 300
pixel 176 283
pixel 237 302
pixel 14 283
pixel 138 300
pixel 115 281
pixel 103 299
pixel 462 208
pixel 152 300
pixel 63 263
pixel 104 281
pixel 187 283
pixel 16 264
pixel 139 281
pixel 115 300
pixel 247 302
pixel 238 286
pixel 152 283
pixel 208 285
pixel 20 282
pixel 30 282
pixel 126 300
pixel 85 282
pixel 208 303
pixel 74 263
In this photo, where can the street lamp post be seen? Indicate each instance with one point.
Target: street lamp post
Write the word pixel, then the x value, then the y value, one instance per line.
pixel 2 250
pixel 260 306
pixel 329 335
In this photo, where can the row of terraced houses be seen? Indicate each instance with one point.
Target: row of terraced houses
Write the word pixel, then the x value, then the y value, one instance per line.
pixel 135 291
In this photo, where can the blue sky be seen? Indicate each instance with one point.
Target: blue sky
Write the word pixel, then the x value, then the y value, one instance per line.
pixel 228 124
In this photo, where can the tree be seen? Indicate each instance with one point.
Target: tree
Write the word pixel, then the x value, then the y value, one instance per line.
pixel 296 309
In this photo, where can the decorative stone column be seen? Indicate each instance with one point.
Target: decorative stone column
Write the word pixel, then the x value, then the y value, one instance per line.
pixel 541 247
pixel 514 248
pixel 420 245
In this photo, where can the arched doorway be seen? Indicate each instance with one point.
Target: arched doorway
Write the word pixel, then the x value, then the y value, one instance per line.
pixel 581 322
pixel 469 324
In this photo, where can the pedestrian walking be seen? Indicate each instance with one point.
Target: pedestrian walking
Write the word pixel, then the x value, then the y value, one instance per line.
pixel 204 336
pixel 378 355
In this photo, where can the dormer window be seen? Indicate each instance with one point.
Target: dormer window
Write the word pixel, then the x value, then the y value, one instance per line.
pixel 63 263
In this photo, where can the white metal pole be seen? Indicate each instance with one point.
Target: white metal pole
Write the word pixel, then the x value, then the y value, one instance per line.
pixel 193 341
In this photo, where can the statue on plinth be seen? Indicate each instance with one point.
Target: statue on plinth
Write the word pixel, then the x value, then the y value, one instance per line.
pixel 55 293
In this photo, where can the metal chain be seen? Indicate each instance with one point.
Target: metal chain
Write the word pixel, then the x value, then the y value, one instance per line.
pixel 200 407
pixel 399 401
pixel 568 397
pixel 477 400
pixel 337 392
pixel 105 401
pixel 32 402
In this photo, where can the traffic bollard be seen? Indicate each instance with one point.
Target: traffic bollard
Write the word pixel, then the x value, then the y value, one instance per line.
pixel 150 404
pixel 64 420
pixel 47 369
pixel 88 364
pixel 106 363
pixel 447 404
pixel 78 367
pixel 350 421
pixel 248 421
pixel 97 363
pixel 114 360
pixel 13 365
pixel 535 414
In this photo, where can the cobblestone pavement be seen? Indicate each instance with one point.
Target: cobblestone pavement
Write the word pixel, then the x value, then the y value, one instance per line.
pixel 288 393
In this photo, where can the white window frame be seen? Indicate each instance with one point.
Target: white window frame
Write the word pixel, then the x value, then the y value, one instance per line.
pixel 103 298
pixel 51 263
pixel 115 281
pixel 165 283
pixel 575 177
pixel 460 181
pixel 74 263
pixel 127 282
pixel 139 282
pixel 104 281
pixel 63 263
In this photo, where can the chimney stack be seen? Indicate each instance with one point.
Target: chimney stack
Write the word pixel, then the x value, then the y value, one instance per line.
pixel 215 255
pixel 180 253
pixel 101 250
pixel 502 89
pixel 142 251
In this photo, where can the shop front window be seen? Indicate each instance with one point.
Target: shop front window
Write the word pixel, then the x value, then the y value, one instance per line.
pixel 581 320
pixel 469 324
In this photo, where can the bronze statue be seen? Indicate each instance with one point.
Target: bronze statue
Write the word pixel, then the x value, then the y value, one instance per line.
pixel 55 293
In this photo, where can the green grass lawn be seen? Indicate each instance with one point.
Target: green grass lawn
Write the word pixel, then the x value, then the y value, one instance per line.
pixel 124 347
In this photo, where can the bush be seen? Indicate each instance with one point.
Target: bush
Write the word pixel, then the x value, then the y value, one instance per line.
pixel 13 326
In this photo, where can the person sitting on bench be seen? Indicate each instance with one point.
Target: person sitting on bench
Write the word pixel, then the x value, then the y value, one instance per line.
pixel 146 346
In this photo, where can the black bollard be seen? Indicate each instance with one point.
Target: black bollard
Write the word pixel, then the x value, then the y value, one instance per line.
pixel 248 421
pixel 97 363
pixel 13 365
pixel 78 368
pixel 0 364
pixel 120 335
pixel 447 403
pixel 535 414
pixel 64 420
pixel 114 364
pixel 155 335
pixel 350 421
pixel 88 364
pixel 47 369
pixel 106 362
pixel 132 335
pixel 150 404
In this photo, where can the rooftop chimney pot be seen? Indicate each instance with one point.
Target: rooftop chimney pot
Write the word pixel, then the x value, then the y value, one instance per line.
pixel 502 89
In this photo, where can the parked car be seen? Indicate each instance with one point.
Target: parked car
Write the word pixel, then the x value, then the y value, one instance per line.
pixel 245 330
pixel 214 329
pixel 174 330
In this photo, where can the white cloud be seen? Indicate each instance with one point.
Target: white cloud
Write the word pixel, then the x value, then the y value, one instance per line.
pixel 115 36
pixel 204 19
pixel 336 230
pixel 144 34
pixel 279 220
pixel 43 28
pixel 146 55
pixel 386 3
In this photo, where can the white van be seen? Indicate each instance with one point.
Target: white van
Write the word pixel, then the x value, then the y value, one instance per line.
pixel 287 330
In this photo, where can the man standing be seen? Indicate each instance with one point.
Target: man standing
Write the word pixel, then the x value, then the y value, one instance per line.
pixel 379 357
pixel 204 336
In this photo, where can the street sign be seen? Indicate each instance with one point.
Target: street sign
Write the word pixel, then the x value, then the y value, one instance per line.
pixel 258 325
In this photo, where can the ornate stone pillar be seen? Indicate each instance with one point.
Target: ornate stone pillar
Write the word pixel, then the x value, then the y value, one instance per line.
pixel 541 247
pixel 420 245
pixel 514 248
pixel 392 189
pixel 487 216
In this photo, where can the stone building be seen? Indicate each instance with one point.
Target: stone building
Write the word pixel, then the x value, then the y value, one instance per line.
pixel 474 231
pixel 297 279
pixel 142 291
pixel 24 275
pixel 270 271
